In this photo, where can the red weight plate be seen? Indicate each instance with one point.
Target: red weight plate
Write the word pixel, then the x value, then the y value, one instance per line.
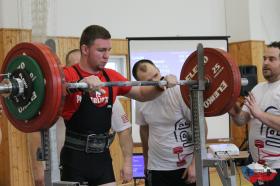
pixel 224 76
pixel 54 83
pixel 58 85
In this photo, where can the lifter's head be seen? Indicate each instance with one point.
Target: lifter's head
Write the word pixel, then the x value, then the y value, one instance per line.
pixel 95 45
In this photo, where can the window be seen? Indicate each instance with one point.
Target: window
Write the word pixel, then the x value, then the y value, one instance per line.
pixel 118 63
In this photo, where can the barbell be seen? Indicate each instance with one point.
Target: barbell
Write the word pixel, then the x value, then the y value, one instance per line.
pixel 33 91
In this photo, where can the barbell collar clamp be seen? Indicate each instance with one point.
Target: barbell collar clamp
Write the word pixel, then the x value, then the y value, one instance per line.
pixel 12 87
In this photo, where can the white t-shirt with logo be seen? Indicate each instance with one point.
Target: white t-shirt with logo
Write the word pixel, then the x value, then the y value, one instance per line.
pixel 264 141
pixel 170 131
pixel 120 120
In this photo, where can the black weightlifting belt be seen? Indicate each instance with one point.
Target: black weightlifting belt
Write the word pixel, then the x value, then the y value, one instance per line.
pixel 89 143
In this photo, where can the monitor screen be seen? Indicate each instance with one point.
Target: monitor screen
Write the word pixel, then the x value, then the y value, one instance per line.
pixel 138 166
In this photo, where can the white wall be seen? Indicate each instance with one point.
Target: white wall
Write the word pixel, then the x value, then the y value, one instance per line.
pixel 237 20
pixel 270 20
pixel 139 18
pixel 253 20
pixel 15 14
pixel 241 19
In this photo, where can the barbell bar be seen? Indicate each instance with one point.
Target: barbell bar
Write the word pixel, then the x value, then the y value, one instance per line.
pixel 81 85
pixel 35 90
pixel 15 87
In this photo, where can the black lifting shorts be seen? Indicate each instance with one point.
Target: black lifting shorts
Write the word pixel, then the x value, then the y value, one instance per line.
pixel 85 170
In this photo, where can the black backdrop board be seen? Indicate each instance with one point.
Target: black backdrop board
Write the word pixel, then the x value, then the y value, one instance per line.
pixel 249 72
pixel 169 55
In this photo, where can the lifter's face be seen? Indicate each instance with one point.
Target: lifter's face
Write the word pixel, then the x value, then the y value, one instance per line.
pixel 271 64
pixel 97 54
pixel 148 72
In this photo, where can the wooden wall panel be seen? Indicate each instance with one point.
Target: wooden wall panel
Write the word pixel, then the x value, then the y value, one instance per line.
pixel 120 47
pixel 1 47
pixel 246 53
pixel 15 169
pixel 64 45
pixel 257 48
pixel 11 37
pixel 138 148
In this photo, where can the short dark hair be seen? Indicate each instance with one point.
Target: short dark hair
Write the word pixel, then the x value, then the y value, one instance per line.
pixel 274 44
pixel 137 64
pixel 68 55
pixel 93 32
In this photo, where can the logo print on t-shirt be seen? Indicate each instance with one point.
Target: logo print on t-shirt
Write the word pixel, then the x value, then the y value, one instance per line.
pixel 78 98
pixel 182 132
pixel 272 135
pixel 124 118
pixel 98 99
